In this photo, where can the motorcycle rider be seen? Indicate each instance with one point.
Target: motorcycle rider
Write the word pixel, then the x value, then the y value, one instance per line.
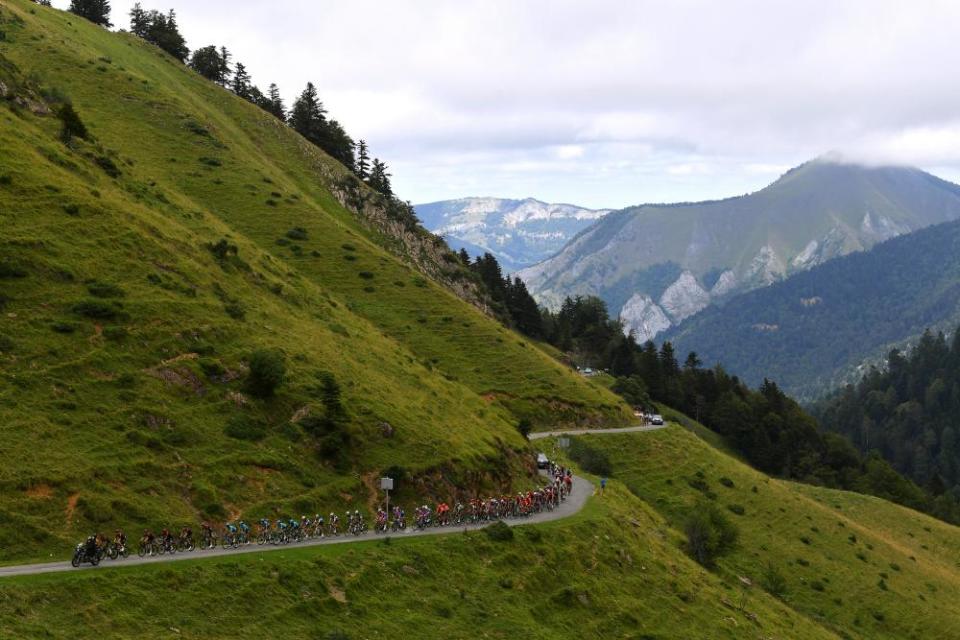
pixel 90 549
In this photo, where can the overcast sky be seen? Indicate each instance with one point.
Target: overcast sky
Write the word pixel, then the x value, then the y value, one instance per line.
pixel 601 103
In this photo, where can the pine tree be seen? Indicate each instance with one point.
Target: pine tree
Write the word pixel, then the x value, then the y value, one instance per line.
pixel 379 179
pixel 162 31
pixel 206 62
pixel 308 115
pixel 464 257
pixel 241 81
pixel 335 141
pixel 363 160
pixel 43 3
pixel 139 21
pixel 257 98
pixel 276 102
pixel 96 11
pixel 223 77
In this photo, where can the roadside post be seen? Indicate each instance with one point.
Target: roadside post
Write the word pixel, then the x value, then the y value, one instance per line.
pixel 386 484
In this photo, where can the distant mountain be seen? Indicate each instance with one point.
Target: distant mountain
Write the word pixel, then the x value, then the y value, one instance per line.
pixel 816 329
pixel 656 265
pixel 518 232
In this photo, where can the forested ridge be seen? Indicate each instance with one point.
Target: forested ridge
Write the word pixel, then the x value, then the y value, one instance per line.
pixel 770 429
pixel 808 331
pixel 907 412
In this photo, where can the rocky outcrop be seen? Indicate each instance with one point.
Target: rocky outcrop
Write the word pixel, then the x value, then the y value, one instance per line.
pixel 765 268
pixel 642 316
pixel 684 298
pixel 726 283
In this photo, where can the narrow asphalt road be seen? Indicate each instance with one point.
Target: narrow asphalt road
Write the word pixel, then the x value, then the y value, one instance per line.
pixel 582 489
pixel 579 432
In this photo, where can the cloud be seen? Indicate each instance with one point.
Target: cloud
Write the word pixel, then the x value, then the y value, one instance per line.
pixel 639 100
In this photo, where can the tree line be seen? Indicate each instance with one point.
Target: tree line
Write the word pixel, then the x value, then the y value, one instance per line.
pixel 907 412
pixel 307 115
pixel 771 430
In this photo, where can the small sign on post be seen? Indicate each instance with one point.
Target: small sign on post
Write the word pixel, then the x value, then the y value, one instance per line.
pixel 386 484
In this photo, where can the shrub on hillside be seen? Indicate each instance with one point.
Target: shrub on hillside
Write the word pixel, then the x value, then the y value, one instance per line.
pixel 108 165
pixel 10 269
pixel 97 310
pixel 773 581
pixel 590 459
pixel 71 124
pixel 105 290
pixel 524 427
pixel 499 531
pixel 267 371
pixel 221 249
pixel 710 534
pixel 297 233
pixel 244 427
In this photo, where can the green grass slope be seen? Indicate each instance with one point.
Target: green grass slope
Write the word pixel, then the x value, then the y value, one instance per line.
pixel 124 340
pixel 860 566
pixel 172 125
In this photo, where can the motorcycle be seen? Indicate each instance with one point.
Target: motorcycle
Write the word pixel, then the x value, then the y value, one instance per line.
pixel 80 555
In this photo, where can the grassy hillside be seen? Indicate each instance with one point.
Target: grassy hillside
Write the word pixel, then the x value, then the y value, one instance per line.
pixel 124 338
pixel 854 567
pixel 861 566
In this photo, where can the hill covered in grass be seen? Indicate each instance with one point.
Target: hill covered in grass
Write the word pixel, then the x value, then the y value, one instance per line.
pixel 849 567
pixel 858 565
pixel 146 259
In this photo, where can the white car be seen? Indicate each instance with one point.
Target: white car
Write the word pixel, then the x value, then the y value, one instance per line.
pixel 656 419
pixel 542 461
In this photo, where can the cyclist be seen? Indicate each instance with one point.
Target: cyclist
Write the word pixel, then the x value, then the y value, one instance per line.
pixel 166 539
pixel 147 540
pixel 442 510
pixel 334 524
pixel 244 531
pixel 186 537
pixel 231 535
pixel 294 526
pixel 360 526
pixel 206 534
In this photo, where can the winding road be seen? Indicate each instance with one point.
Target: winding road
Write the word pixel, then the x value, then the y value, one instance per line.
pixel 581 432
pixel 582 489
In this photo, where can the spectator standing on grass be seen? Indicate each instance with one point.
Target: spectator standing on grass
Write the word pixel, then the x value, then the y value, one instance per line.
pixel 603 485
